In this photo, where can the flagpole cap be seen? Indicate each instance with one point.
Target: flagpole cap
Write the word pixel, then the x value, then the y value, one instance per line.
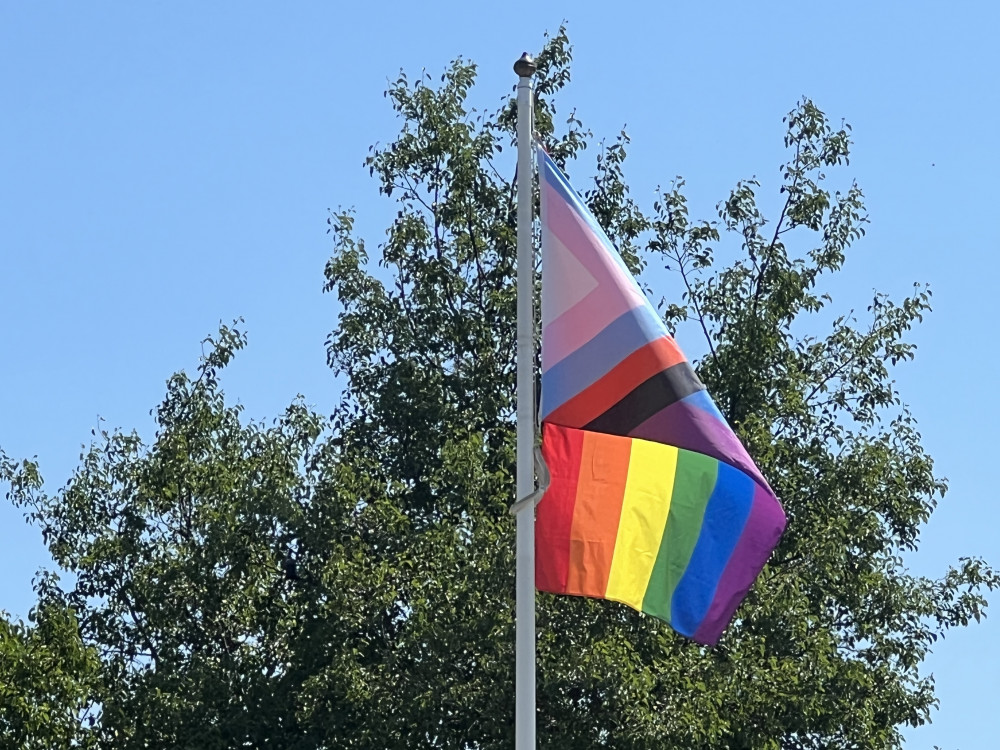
pixel 525 66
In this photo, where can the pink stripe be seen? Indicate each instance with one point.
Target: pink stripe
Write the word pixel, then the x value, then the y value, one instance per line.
pixel 582 322
pixel 616 292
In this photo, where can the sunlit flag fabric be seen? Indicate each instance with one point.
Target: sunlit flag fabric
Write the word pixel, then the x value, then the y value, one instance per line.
pixel 653 501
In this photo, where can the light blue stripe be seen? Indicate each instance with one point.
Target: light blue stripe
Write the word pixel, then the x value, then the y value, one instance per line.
pixel 625 334
pixel 703 401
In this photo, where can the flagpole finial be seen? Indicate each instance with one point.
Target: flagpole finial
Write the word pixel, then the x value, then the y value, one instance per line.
pixel 525 66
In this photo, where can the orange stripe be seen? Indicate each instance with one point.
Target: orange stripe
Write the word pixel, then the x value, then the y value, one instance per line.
pixel 604 464
pixel 631 372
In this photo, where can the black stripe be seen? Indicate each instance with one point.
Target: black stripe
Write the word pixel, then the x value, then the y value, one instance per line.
pixel 661 390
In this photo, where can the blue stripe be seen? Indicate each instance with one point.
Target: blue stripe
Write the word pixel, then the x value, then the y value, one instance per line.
pixel 625 334
pixel 554 176
pixel 725 516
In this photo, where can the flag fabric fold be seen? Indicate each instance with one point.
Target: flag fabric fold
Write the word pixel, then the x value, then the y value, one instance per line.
pixel 653 500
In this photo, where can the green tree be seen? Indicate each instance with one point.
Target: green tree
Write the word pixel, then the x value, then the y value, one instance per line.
pixel 47 675
pixel 348 582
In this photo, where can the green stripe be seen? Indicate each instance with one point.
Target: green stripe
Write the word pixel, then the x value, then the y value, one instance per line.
pixel 694 481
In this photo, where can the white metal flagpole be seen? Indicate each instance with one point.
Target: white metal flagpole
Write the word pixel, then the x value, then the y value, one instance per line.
pixel 524 714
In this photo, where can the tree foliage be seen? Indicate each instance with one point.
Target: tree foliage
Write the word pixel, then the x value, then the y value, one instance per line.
pixel 348 582
pixel 47 674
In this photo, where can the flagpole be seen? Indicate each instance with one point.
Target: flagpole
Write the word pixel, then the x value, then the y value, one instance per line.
pixel 524 728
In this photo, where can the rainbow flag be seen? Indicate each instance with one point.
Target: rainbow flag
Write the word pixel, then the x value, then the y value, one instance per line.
pixel 653 500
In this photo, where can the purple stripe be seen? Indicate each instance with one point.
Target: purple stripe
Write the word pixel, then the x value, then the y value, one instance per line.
pixel 760 535
pixel 689 424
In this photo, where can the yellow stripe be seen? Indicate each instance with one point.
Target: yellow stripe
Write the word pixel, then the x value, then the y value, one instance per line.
pixel 648 490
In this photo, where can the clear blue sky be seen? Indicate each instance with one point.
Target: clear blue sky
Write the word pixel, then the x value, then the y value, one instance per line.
pixel 165 166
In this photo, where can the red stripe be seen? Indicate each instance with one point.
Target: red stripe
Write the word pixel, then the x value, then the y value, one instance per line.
pixel 627 375
pixel 554 516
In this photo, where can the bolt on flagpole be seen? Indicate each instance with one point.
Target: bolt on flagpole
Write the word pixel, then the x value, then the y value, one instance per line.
pixel 524 730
